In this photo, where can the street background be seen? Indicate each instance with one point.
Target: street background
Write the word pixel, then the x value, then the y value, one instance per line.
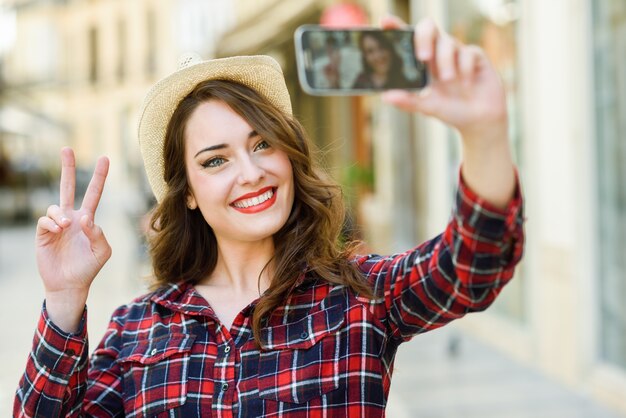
pixel 74 73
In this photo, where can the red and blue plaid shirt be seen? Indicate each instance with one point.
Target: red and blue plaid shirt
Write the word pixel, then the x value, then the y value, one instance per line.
pixel 329 352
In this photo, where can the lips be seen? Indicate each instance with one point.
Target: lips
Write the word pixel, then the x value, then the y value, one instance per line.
pixel 256 201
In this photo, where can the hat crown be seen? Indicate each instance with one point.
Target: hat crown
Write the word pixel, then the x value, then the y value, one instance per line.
pixel 188 59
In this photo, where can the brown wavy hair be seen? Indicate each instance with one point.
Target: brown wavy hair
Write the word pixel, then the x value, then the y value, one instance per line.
pixel 182 244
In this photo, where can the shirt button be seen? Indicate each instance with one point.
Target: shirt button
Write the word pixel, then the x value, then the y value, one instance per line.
pixel 304 335
pixel 224 387
pixel 227 349
pixel 153 352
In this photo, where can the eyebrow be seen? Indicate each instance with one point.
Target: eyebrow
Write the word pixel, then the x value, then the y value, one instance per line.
pixel 252 134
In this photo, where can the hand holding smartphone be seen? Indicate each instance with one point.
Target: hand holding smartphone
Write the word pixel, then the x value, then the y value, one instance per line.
pixel 357 61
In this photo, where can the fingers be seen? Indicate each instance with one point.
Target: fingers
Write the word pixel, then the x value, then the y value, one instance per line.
pixel 68 178
pixel 54 222
pixel 426 34
pixel 408 101
pixel 99 244
pixel 96 186
pixel 68 182
pixel 57 215
pixel 47 225
pixel 424 102
pixel 469 60
pixel 401 99
pixel 447 58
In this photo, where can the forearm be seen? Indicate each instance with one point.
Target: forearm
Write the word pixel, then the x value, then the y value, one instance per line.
pixel 55 377
pixel 459 271
pixel 487 165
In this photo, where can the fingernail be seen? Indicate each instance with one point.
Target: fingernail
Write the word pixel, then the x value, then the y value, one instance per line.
pixel 90 223
pixel 65 220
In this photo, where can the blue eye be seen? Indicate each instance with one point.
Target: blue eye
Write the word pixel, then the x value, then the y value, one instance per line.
pixel 213 162
pixel 261 145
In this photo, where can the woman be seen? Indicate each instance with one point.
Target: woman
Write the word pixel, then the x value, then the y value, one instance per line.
pixel 257 311
pixel 381 63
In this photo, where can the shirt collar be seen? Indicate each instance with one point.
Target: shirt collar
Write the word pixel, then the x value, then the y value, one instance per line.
pixel 182 297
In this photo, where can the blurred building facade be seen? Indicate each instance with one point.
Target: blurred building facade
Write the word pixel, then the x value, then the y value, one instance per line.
pixel 77 70
pixel 83 66
pixel 564 313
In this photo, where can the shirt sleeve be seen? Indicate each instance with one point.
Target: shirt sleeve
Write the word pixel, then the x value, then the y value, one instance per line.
pixel 56 371
pixel 60 380
pixel 461 270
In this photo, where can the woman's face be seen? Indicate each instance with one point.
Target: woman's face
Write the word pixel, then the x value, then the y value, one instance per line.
pixel 243 186
pixel 378 58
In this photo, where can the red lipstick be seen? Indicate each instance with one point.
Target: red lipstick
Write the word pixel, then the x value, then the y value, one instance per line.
pixel 244 205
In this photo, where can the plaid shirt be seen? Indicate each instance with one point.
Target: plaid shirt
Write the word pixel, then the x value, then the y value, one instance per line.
pixel 328 351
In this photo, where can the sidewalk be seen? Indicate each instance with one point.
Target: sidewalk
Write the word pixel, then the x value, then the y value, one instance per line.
pixel 449 374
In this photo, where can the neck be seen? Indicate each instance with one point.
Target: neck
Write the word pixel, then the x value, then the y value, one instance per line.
pixel 239 265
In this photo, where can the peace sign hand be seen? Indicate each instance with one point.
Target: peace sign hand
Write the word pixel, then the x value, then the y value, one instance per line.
pixel 70 248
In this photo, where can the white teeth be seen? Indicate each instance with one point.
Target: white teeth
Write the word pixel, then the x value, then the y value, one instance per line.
pixel 246 203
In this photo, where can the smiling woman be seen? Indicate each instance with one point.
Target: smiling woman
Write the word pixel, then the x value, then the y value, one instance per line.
pixel 235 144
pixel 381 63
pixel 257 310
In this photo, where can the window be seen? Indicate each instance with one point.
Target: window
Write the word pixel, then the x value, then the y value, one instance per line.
pixel 609 19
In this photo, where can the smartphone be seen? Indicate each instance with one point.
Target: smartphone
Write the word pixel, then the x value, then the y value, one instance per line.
pixel 356 61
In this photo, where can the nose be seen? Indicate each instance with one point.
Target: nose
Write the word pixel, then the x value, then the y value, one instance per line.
pixel 250 171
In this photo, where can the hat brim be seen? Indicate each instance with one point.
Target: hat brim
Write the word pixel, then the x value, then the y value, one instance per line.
pixel 261 73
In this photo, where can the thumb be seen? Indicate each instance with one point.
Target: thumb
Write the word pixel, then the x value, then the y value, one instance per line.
pixel 98 242
pixel 410 102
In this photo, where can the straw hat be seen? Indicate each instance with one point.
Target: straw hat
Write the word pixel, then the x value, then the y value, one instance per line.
pixel 262 73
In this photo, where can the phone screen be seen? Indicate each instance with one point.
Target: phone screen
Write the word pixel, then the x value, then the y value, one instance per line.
pixel 356 61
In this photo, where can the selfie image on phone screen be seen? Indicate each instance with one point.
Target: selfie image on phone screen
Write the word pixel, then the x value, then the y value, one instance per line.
pixel 357 61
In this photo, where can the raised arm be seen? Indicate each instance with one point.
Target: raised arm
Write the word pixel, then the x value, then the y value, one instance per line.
pixel 463 269
pixel 70 251
pixel 466 93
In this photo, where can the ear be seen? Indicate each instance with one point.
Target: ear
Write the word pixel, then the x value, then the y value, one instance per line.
pixel 191 202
